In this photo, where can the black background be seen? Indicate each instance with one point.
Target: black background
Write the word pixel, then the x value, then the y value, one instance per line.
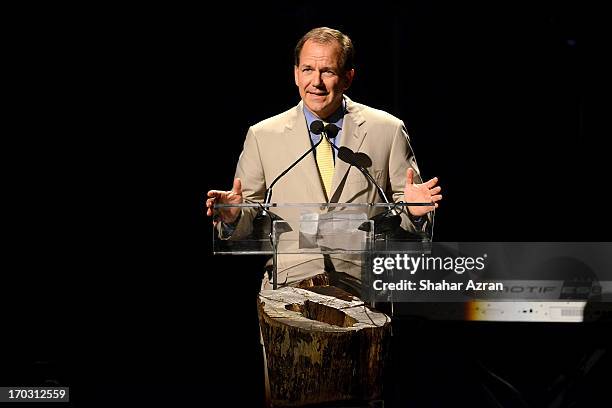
pixel 121 117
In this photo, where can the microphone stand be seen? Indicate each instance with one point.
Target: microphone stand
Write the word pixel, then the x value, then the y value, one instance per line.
pixel 316 127
pixel 268 196
pixel 347 155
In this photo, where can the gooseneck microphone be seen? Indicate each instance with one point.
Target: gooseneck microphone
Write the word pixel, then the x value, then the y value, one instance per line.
pixel 361 161
pixel 388 222
pixel 264 219
pixel 330 131
pixel 260 222
pixel 358 160
pixel 316 128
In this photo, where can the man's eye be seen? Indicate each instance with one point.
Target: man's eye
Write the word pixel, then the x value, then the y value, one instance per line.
pixel 328 73
pixel 306 69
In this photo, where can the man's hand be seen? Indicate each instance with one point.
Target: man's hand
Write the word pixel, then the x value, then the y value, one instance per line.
pixel 227 215
pixel 421 193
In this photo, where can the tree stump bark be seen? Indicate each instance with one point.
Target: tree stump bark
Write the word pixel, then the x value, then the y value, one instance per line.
pixel 322 345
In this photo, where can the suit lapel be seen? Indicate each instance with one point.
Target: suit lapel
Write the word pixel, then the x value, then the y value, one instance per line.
pixel 353 134
pixel 298 142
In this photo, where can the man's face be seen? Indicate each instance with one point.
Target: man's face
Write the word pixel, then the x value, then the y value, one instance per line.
pixel 320 79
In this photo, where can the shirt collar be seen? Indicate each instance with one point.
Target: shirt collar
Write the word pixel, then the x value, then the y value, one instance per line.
pixel 337 118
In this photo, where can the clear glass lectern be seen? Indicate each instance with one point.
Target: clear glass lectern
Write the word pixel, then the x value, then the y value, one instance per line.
pixel 320 228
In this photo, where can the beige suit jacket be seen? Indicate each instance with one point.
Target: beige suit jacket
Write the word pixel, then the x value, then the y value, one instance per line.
pixel 272 145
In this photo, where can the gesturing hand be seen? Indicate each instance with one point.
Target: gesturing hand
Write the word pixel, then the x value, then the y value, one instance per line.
pixel 234 196
pixel 421 193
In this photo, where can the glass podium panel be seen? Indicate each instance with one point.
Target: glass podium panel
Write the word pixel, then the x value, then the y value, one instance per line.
pixel 314 228
pixel 365 230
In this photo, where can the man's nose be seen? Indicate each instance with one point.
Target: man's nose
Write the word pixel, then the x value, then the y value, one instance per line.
pixel 316 79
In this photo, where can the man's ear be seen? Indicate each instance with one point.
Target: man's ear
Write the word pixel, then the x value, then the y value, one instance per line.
pixel 348 78
pixel 295 75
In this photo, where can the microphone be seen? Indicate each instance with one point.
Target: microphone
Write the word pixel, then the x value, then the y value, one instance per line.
pixel 331 131
pixel 358 160
pixel 316 128
pixel 361 161
pixel 387 223
pixel 262 223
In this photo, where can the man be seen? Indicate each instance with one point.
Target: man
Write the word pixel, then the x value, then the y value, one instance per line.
pixel 323 73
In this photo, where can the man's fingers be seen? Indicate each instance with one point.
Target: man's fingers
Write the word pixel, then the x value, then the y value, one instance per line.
pixel 435 198
pixel 435 190
pixel 237 187
pixel 216 193
pixel 431 183
pixel 409 176
pixel 209 204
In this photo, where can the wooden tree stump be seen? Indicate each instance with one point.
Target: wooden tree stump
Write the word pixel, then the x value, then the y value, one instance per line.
pixel 322 345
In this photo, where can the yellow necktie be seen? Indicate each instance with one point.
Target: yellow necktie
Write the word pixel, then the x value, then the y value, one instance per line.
pixel 325 162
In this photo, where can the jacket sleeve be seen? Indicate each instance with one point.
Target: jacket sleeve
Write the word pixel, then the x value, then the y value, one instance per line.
pixel 400 159
pixel 251 174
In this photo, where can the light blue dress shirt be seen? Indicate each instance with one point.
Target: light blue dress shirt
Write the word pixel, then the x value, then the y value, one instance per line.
pixel 337 118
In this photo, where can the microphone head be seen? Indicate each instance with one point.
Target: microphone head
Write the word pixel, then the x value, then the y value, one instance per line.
pixel 358 159
pixel 362 160
pixel 331 130
pixel 316 127
pixel 346 155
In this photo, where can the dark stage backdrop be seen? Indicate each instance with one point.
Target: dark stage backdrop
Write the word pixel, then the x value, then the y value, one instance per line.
pixel 125 116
